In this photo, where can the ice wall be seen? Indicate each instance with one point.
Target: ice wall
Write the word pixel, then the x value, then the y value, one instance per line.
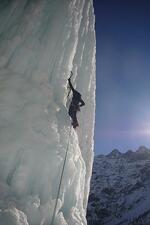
pixel 40 42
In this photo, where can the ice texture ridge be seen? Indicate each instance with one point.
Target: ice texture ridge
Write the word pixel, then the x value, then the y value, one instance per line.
pixel 40 43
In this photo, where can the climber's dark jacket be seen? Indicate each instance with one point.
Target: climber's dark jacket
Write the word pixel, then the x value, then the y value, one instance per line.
pixel 75 104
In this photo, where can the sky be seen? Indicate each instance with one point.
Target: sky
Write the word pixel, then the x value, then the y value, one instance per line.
pixel 123 75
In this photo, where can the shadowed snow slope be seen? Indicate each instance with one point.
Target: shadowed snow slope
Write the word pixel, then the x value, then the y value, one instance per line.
pixel 40 42
pixel 120 188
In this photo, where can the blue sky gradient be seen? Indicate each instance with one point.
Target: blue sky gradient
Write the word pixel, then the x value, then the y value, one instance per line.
pixel 123 75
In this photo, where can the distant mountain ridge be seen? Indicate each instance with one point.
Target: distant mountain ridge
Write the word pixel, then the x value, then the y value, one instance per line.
pixel 120 188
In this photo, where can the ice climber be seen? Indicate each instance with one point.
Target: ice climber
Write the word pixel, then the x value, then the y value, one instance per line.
pixel 75 105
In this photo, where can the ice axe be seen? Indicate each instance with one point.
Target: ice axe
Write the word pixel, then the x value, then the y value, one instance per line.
pixel 71 74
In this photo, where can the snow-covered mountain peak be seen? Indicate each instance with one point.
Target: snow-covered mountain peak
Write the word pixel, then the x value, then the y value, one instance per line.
pixel 114 154
pixel 142 153
pixel 120 188
pixel 143 150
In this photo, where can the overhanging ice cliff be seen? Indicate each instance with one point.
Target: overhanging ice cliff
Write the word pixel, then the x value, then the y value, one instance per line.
pixel 40 43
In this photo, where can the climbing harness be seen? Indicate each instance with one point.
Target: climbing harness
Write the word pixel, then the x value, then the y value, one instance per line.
pixel 62 173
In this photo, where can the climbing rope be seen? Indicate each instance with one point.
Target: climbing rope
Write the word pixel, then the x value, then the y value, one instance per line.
pixel 62 173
